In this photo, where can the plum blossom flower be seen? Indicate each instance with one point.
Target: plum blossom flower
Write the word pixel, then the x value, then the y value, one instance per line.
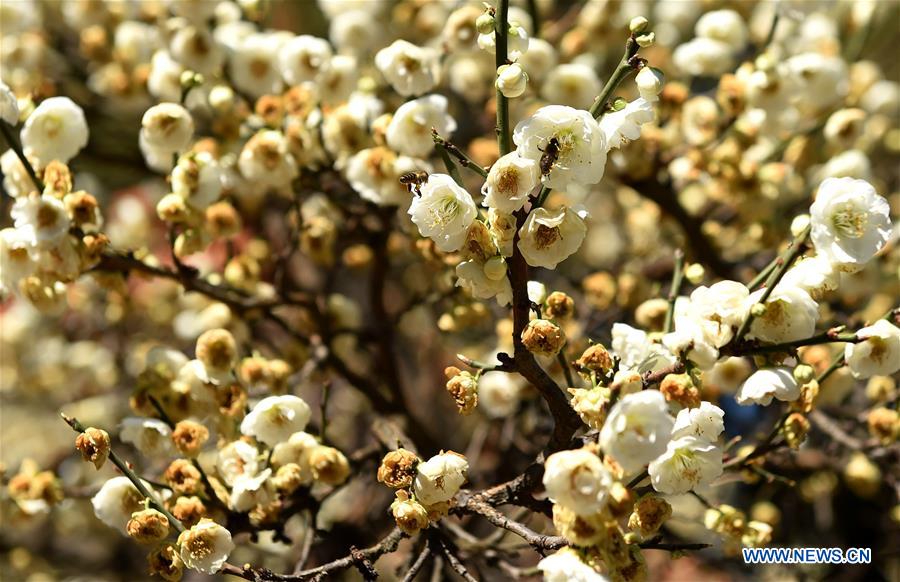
pixel 167 127
pixel 850 222
pixel 578 480
pixel 276 418
pixel 40 220
pixel 235 460
pixel 249 491
pixel 815 275
pixel 409 131
pixel 790 314
pixel 637 429
pixel 878 354
pixel 473 276
pixel 55 130
pixel 443 212
pixel 688 462
pixel 516 41
pixel 768 383
pixel 117 499
pixel 572 84
pixel 303 58
pixel 566 566
pixel 707 422
pixel 623 126
pixel 410 69
pixel 440 477
pixel 509 182
pixel 150 436
pixel 549 237
pixel 9 106
pixel 205 547
pixel 582 144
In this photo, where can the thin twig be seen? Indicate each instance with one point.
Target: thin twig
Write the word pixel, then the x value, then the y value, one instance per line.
pixel 677 277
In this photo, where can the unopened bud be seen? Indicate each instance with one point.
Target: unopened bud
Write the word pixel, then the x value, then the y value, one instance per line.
pixel 646 40
pixel 799 224
pixel 638 24
pixel 619 104
pixel 758 309
pixel 484 24
pixel 795 429
pixel 410 515
pixel 512 80
pixel 694 273
pixel 495 268
pixel 804 373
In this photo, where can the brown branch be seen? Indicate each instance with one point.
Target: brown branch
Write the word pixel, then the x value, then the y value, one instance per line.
pixel 538 541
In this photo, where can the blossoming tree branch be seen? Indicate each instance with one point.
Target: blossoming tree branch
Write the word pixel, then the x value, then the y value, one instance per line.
pixel 642 262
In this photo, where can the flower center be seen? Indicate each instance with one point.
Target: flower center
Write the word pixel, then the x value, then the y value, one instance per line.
pixel 199 546
pixel 444 211
pixel 47 216
pixel 546 236
pixel 849 221
pixel 508 181
pixel 52 126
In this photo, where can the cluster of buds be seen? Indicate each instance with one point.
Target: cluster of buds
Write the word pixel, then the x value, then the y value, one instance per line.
pixel 424 489
pixel 736 530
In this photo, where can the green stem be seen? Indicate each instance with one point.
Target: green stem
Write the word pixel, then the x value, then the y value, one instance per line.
pixel 677 278
pixel 823 338
pixel 14 145
pixel 501 23
pixel 783 263
pixel 132 476
pixel 464 160
pixel 567 372
pixel 448 162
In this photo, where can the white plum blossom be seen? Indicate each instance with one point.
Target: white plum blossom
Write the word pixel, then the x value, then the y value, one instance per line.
pixel 620 127
pixel 303 58
pixel 55 130
pixel 878 354
pixel 688 462
pixel 572 84
pixel 549 237
pixel 249 491
pixel 728 374
pixel 198 179
pixel 690 342
pixel 237 459
pixel 578 480
pixel 473 276
pixel 768 383
pixel 374 173
pixel 636 351
pixel 168 127
pixel 411 70
pixel 790 314
pixel 205 547
pixel 718 309
pixel 815 275
pixel 9 106
pixel 637 429
pixel 439 478
pixel 152 437
pixel 42 220
pixel 294 449
pixel 707 422
pixel 254 64
pixel 566 566
pixel 275 418
pixel 499 393
pixel 409 131
pixel 850 222
pixel 703 56
pixel 117 499
pixel 582 144
pixel 443 212
pixel 266 161
pixel 509 182
pixel 723 25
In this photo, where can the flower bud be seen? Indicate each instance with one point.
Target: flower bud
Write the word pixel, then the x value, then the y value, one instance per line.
pixel 559 306
pixel 694 273
pixel 591 404
pixel 799 224
pixel 93 444
pixel 512 80
pixel 646 40
pixel 147 526
pixel 758 309
pixel 638 24
pixel 543 337
pixel 795 429
pixel 804 373
pixel 398 468
pixel 463 387
pixel 172 208
pixel 650 83
pixel 484 24
pixel 863 477
pixel 409 514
